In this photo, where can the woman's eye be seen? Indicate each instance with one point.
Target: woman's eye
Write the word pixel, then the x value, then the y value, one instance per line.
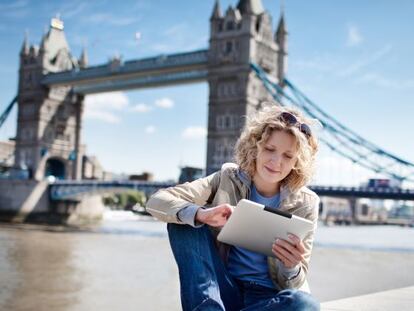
pixel 269 149
pixel 288 156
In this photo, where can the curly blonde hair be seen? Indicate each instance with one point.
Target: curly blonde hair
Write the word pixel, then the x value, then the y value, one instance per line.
pixel 258 129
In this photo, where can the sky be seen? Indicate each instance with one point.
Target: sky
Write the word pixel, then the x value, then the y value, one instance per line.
pixel 353 58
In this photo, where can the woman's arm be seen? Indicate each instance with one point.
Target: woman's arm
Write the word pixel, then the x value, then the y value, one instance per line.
pixel 165 204
pixel 292 266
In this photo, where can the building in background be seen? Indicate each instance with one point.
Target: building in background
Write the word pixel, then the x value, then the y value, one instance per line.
pixel 142 177
pixel 6 155
pixel 189 173
pixel 91 168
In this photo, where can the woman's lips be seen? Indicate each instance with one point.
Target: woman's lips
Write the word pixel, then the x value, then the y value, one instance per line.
pixel 271 171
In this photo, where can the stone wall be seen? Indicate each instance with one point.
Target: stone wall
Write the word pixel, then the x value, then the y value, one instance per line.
pixel 23 196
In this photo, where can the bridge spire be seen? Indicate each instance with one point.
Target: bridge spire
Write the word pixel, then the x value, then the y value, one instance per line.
pixel 280 37
pixel 25 46
pixel 83 60
pixel 250 7
pixel 216 10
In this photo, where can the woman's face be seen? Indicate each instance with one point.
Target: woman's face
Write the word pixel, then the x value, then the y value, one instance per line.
pixel 275 159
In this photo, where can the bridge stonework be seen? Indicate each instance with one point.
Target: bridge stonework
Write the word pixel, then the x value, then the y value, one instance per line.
pixel 48 126
pixel 52 85
pixel 242 35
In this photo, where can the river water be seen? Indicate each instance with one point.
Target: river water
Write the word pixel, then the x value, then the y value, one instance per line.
pixel 124 263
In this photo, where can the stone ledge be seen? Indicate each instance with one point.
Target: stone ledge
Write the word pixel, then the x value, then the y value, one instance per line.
pixel 401 299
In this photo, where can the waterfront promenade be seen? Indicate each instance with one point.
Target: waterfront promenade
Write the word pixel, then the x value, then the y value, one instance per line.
pixel 126 264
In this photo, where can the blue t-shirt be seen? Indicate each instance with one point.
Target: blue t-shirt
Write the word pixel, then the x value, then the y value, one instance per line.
pixel 247 265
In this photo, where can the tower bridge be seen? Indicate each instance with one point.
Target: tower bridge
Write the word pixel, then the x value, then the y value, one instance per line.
pixel 244 65
pixel 53 85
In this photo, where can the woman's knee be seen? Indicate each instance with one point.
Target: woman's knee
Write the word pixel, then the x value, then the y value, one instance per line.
pixel 300 300
pixel 187 238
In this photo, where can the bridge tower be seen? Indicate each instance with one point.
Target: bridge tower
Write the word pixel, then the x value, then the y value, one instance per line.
pixel 49 119
pixel 241 35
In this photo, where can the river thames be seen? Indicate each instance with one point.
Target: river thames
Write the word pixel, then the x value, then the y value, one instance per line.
pixel 125 263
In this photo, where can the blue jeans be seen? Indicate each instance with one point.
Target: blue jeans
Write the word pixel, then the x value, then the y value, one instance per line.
pixel 205 283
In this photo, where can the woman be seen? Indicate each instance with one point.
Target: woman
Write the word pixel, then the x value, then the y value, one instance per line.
pixel 275 155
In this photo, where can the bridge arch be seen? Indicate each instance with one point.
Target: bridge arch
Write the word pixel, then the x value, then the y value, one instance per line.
pixel 56 167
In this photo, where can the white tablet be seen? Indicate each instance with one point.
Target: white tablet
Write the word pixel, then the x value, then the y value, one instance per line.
pixel 256 227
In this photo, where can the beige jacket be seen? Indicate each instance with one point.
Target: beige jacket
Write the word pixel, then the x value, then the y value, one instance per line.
pixel 230 185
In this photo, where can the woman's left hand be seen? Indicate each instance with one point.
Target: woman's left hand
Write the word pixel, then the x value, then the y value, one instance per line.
pixel 289 252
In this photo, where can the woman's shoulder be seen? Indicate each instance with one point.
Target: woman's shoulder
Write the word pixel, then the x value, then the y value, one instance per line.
pixel 308 193
pixel 229 167
pixel 229 170
pixel 305 196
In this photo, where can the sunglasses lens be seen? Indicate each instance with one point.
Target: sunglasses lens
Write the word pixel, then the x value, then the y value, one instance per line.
pixel 305 129
pixel 291 120
pixel 288 118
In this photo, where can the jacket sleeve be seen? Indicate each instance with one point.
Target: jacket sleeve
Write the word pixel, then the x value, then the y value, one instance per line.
pixel 166 203
pixel 299 279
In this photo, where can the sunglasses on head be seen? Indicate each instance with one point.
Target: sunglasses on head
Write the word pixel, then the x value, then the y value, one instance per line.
pixel 291 119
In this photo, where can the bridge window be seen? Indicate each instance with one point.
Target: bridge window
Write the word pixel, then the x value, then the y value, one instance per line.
pixel 229 25
pixel 219 122
pixel 229 47
pixel 228 122
pixel 258 24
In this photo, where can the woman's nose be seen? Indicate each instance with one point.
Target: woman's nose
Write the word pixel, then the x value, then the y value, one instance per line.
pixel 275 159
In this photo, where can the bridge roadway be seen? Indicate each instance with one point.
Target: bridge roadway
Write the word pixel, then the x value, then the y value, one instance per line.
pixel 72 190
pixel 162 70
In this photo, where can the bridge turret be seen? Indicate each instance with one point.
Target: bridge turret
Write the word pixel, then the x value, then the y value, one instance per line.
pixel 83 59
pixel 216 20
pixel 24 51
pixel 55 50
pixel 216 11
pixel 250 7
pixel 280 38
pixel 243 35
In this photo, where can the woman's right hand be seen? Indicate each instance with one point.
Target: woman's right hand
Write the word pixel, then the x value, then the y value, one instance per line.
pixel 215 216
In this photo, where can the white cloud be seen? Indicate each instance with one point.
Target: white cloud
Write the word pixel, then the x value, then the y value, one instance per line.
pixel 141 108
pixel 367 61
pixel 102 106
pixel 178 37
pixel 382 81
pixel 98 18
pixel 165 102
pixel 105 116
pixel 150 129
pixel 354 36
pixel 194 132
pixel 14 5
pixel 176 30
pixel 73 9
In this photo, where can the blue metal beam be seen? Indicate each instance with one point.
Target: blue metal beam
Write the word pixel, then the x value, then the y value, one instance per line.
pixel 6 113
